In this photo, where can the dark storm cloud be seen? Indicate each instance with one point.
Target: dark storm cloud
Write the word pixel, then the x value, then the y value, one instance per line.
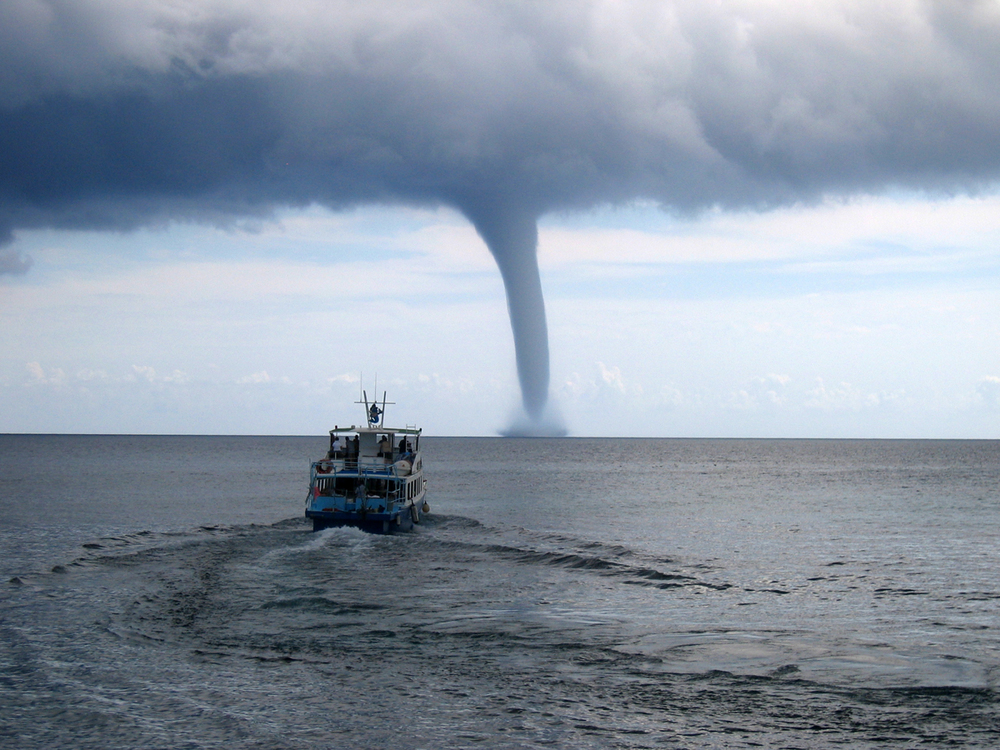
pixel 543 106
pixel 119 114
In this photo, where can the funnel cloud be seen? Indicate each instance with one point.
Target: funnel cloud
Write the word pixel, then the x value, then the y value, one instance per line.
pixel 512 237
pixel 120 114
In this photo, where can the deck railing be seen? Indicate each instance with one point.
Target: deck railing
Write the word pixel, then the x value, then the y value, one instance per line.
pixel 357 467
pixel 366 468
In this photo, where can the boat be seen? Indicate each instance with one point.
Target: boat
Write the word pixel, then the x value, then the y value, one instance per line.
pixel 371 477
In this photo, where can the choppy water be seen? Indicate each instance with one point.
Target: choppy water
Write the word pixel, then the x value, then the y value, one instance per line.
pixel 165 593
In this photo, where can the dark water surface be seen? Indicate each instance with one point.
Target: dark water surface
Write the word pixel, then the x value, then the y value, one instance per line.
pixel 164 592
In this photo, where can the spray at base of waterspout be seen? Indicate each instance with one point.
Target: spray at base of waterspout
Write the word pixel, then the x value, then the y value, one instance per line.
pixel 549 424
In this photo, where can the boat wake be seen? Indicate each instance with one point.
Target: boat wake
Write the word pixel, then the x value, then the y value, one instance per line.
pixel 463 632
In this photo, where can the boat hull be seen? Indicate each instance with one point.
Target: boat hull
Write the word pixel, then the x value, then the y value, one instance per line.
pixel 401 519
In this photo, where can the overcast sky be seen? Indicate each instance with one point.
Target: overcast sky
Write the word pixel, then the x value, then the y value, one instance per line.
pixel 754 218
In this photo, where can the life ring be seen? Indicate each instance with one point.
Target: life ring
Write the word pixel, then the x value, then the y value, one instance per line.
pixel 323 468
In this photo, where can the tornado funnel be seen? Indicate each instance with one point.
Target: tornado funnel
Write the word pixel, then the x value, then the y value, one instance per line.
pixel 512 238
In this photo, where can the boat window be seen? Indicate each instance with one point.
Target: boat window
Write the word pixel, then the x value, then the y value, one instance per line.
pixel 345 485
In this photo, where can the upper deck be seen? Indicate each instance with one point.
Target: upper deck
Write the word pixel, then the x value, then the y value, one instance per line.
pixel 372 449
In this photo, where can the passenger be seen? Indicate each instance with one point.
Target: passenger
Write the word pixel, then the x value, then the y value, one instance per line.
pixel 384 448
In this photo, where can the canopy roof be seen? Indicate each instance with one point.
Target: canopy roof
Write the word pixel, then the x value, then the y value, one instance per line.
pixel 392 430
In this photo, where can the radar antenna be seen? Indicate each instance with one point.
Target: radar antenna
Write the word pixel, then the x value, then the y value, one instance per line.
pixel 373 413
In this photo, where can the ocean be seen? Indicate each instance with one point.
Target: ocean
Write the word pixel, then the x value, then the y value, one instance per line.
pixel 167 592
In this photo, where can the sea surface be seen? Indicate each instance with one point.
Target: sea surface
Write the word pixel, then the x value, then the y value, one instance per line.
pixel 166 592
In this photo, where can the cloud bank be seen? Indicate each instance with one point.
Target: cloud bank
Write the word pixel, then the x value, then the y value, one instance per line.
pixel 117 114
